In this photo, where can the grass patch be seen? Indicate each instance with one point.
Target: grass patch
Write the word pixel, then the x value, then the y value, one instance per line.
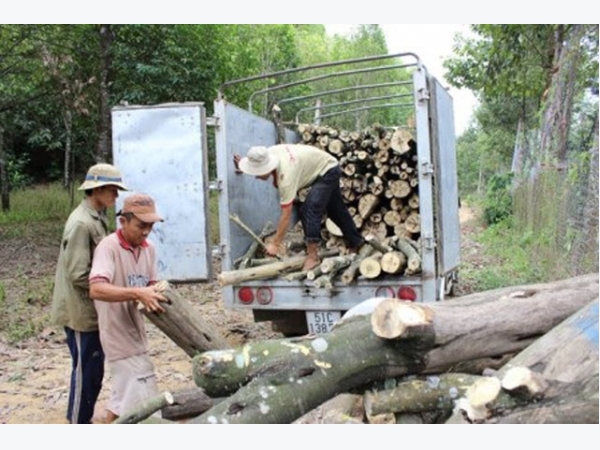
pixel 508 258
pixel 36 218
pixel 213 214
pixel 26 313
pixel 40 210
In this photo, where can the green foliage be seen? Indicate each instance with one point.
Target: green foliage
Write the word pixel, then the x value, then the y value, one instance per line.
pixel 481 154
pixel 498 198
pixel 50 90
pixel 558 212
pixel 17 176
pixel 506 60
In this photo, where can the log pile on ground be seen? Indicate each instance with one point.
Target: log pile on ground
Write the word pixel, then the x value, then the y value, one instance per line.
pixel 400 362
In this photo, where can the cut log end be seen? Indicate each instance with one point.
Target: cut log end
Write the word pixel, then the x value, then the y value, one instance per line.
pixel 477 398
pixel 392 318
pixel 522 380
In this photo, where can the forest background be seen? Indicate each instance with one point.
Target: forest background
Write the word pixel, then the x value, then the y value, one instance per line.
pixel 529 158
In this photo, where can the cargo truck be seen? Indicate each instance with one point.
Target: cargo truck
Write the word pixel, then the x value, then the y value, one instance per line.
pixel 163 150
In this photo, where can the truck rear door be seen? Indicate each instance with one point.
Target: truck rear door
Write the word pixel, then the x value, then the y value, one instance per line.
pixel 444 158
pixel 161 150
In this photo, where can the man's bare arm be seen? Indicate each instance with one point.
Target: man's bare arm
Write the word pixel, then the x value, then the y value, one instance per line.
pixel 147 296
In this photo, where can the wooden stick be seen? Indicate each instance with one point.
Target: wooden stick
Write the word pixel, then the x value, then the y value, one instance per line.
pixel 238 221
pixel 272 270
pixel 146 409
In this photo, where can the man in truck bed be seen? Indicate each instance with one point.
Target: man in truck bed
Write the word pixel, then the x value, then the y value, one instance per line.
pixel 294 167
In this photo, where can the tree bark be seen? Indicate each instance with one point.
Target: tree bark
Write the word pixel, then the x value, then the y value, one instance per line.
pixel 104 149
pixel 279 380
pixel 4 187
pixel 188 403
pixel 342 409
pixel 562 360
pixel 183 325
pixel 146 409
pixel 414 396
pixel 268 270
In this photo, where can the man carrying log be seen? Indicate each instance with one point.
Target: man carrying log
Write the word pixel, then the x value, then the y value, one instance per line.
pixel 294 167
pixel 123 273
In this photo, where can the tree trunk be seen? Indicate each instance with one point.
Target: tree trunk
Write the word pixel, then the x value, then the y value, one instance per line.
pixel 279 380
pixel 104 149
pixel 188 403
pixel 564 359
pixel 415 396
pixel 342 409
pixel 183 325
pixel 4 187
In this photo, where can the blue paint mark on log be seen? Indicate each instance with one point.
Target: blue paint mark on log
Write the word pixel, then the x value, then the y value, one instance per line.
pixel 586 321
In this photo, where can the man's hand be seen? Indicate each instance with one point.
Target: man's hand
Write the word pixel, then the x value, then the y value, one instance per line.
pixel 151 297
pixel 236 162
pixel 272 249
pixel 271 246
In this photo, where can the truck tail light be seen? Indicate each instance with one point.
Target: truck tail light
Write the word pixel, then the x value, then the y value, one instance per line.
pixel 407 293
pixel 385 291
pixel 246 295
pixel 264 295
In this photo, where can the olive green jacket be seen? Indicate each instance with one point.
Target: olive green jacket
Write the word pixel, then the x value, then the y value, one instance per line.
pixel 71 303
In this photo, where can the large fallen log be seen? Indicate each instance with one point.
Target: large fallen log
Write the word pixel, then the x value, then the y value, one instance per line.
pixel 341 409
pixel 562 364
pixel 280 380
pixel 433 393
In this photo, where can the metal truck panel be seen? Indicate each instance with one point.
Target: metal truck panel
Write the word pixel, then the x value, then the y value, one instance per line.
pixel 425 169
pixel 161 150
pixel 254 201
pixel 444 155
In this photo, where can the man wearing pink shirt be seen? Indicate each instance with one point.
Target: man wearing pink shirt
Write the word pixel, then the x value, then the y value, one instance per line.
pixel 122 277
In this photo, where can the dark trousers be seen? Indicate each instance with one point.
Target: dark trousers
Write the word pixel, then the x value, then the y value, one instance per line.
pixel 325 197
pixel 87 372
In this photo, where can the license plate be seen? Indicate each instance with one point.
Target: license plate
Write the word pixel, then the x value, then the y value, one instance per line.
pixel 320 322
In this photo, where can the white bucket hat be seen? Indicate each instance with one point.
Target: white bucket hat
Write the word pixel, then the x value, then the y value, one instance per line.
pixel 102 175
pixel 259 161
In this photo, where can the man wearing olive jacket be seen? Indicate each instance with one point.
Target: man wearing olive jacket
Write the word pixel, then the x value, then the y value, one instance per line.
pixel 72 307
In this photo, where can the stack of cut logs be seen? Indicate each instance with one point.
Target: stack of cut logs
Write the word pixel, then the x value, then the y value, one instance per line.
pixel 380 186
pixel 379 182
